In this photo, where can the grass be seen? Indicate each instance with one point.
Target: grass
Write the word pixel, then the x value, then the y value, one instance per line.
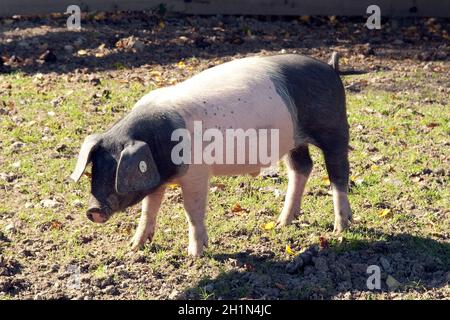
pixel 394 136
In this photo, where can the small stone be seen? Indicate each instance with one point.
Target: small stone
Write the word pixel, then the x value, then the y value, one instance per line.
pixel 174 294
pixel 321 264
pixel 29 205
pixel 209 287
pixel 110 290
pixel 392 283
pixel 49 203
pixel 26 253
pixel 279 193
pixel 56 101
pixel 17 146
pixel 139 46
pixel 271 172
pixel 38 296
pixel 303 259
pixel 48 56
pixel 68 48
pixel 10 228
pixel 77 203
pixel 78 42
pixel 16 164
pixel 23 44
pixel 8 177
pixel 93 79
pixel 385 264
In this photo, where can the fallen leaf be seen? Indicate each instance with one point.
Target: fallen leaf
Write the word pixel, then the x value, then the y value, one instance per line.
pixel 155 73
pixel 181 65
pixel 56 225
pixel 269 225
pixel 249 267
pixel 82 52
pixel 326 180
pixel 237 208
pixel 219 186
pixel 432 125
pixel 289 250
pixel 100 16
pixel 172 185
pixel 323 242
pixel 305 18
pixel 280 286
pixel 384 213
pixel 87 174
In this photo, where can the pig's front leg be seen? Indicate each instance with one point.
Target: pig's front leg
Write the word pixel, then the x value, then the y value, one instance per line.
pixel 195 192
pixel 147 222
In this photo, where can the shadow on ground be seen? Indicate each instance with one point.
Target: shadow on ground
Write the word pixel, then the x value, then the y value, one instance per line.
pixel 172 40
pixel 412 264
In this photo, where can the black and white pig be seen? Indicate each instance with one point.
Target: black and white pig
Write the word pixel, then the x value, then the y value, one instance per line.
pixel 301 97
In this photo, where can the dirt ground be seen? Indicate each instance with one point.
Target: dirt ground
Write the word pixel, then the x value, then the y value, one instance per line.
pixel 57 86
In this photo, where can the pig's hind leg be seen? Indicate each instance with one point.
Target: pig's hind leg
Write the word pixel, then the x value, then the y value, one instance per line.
pixel 336 161
pixel 147 222
pixel 299 166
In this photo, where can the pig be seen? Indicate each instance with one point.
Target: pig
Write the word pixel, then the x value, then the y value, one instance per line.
pixel 303 98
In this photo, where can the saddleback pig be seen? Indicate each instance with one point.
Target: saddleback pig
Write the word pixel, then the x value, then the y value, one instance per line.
pixel 302 98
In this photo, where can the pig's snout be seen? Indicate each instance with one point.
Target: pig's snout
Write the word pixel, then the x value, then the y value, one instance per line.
pixel 98 212
pixel 96 215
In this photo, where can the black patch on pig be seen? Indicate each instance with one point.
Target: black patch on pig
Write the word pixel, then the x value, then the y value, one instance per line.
pixel 153 125
pixel 314 94
pixel 145 123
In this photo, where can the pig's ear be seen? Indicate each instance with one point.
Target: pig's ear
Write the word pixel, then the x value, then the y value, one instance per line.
pixel 84 157
pixel 136 170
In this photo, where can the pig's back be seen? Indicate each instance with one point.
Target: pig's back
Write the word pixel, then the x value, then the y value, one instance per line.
pixel 237 94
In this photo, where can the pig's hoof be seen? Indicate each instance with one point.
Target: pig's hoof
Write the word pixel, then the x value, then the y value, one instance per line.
pixel 136 247
pixel 342 223
pixel 195 251
pixel 137 244
pixel 282 222
pixel 205 241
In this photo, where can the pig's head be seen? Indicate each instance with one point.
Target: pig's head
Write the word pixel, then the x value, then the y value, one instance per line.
pixel 123 173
